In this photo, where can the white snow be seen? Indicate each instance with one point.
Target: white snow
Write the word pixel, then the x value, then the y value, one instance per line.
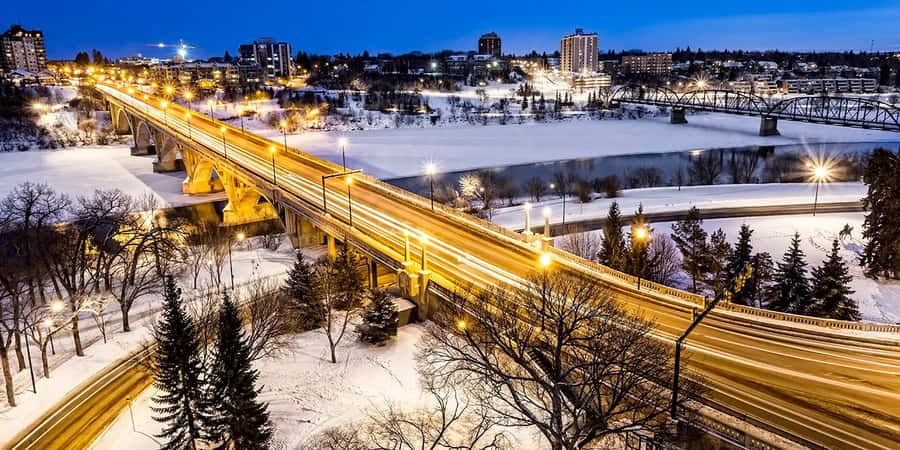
pixel 81 170
pixel 670 199
pixel 67 371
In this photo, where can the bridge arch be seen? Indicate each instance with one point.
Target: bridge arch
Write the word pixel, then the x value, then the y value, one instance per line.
pixel 725 100
pixel 121 121
pixel 646 94
pixel 144 142
pixel 833 110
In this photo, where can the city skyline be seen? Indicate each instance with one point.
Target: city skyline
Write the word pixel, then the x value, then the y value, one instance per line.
pixel 799 26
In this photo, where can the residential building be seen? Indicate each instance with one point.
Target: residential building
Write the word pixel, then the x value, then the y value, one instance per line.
pixel 654 63
pixel 578 52
pixel 828 85
pixel 273 57
pixel 207 74
pixel 22 49
pixel 757 83
pixel 489 44
pixel 590 81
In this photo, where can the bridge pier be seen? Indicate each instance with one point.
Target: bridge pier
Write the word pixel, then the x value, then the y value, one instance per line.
pixel 245 204
pixel 199 179
pixel 301 231
pixel 676 116
pixel 768 126
pixel 167 151
pixel 142 139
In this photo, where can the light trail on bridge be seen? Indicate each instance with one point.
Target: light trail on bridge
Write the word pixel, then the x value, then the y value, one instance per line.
pixel 831 388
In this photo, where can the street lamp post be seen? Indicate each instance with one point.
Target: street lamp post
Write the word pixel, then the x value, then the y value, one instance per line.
pixel 210 103
pixel 546 222
pixel 349 202
pixel 820 174
pixel 527 208
pixel 640 235
pixel 241 113
pixel 429 170
pixel 30 364
pixel 165 107
pixel 240 237
pixel 284 134
pixel 187 116
pixel 49 324
pixel 224 144
pixel 188 96
pixel 343 143
pixel 274 179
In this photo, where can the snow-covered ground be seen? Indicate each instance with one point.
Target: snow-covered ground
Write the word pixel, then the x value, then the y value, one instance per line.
pixel 81 170
pixel 67 371
pixel 307 394
pixel 668 199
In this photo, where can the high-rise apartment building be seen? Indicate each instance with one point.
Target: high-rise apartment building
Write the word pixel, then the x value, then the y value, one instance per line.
pixel 578 52
pixel 273 57
pixel 22 49
pixel 655 63
pixel 489 44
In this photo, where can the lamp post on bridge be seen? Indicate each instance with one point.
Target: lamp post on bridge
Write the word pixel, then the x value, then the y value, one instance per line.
pixel 224 144
pixel 241 114
pixel 284 134
pixel 430 169
pixel 165 107
pixel 343 143
pixel 274 179
pixel 211 103
pixel 187 116
pixel 349 180
pixel 640 235
pixel 820 173
pixel 188 95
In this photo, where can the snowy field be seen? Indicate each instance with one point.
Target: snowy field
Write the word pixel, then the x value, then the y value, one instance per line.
pixel 250 262
pixel 669 199
pixel 879 301
pixel 81 170
pixel 402 152
pixel 307 394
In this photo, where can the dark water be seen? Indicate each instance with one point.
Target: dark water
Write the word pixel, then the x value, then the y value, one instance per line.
pixel 786 160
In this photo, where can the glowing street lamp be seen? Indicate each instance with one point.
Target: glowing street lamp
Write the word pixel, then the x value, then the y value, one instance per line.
pixel 283 125
pixel 349 203
pixel 165 107
pixel 241 113
pixel 430 169
pixel 188 95
pixel 545 260
pixel 820 173
pixel 640 234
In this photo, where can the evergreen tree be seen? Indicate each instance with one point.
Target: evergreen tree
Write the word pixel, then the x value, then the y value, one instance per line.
pixel 719 256
pixel 351 282
pixel 690 237
pixel 831 289
pixel 637 258
pixel 881 228
pixel 758 287
pixel 178 374
pixel 612 245
pixel 379 319
pixel 240 421
pixel 791 287
pixel 309 312
pixel 741 257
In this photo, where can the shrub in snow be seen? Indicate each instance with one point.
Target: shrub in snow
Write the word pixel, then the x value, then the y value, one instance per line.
pixel 379 319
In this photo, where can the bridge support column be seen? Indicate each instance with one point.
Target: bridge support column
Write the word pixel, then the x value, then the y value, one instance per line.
pixel 166 154
pixel 301 231
pixel 373 274
pixel 422 299
pixel 676 116
pixel 142 144
pixel 768 126
pixel 332 252
pixel 245 204
pixel 199 179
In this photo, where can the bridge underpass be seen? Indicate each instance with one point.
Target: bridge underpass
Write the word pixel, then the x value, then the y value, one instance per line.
pixel 824 109
pixel 829 383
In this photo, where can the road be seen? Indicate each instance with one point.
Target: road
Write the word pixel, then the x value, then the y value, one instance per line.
pixel 832 388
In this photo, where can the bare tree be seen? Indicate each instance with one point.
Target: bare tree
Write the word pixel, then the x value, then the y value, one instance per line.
pixel 43 321
pixel 338 310
pixel 264 313
pixel 560 355
pixel 584 245
pixel 536 188
pixel 665 259
pixel 743 166
pixel 705 168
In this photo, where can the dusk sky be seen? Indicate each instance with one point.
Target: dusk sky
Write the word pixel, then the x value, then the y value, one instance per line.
pixel 123 28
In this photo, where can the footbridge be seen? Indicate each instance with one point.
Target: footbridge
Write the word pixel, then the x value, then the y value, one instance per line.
pixel 822 383
pixel 830 110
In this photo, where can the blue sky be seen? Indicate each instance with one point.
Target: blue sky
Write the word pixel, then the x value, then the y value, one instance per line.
pixel 124 27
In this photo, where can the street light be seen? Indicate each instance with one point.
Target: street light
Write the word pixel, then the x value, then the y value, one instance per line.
pixel 284 133
pixel 188 95
pixel 210 103
pixel 187 116
pixel 527 208
pixel 546 222
pixel 224 145
pixel 49 324
pixel 820 173
pixel 349 204
pixel 240 237
pixel 241 114
pixel 272 150
pixel 165 107
pixel 430 169
pixel 544 260
pixel 343 143
pixel 640 234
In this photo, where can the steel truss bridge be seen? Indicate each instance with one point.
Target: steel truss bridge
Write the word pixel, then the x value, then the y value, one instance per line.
pixel 830 110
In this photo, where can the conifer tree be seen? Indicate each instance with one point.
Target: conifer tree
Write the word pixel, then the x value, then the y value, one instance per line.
pixel 717 278
pixel 791 287
pixel 379 319
pixel 351 282
pixel 881 228
pixel 831 289
pixel 690 237
pixel 637 261
pixel 758 287
pixel 239 420
pixel 302 296
pixel 178 372
pixel 612 246
pixel 741 257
